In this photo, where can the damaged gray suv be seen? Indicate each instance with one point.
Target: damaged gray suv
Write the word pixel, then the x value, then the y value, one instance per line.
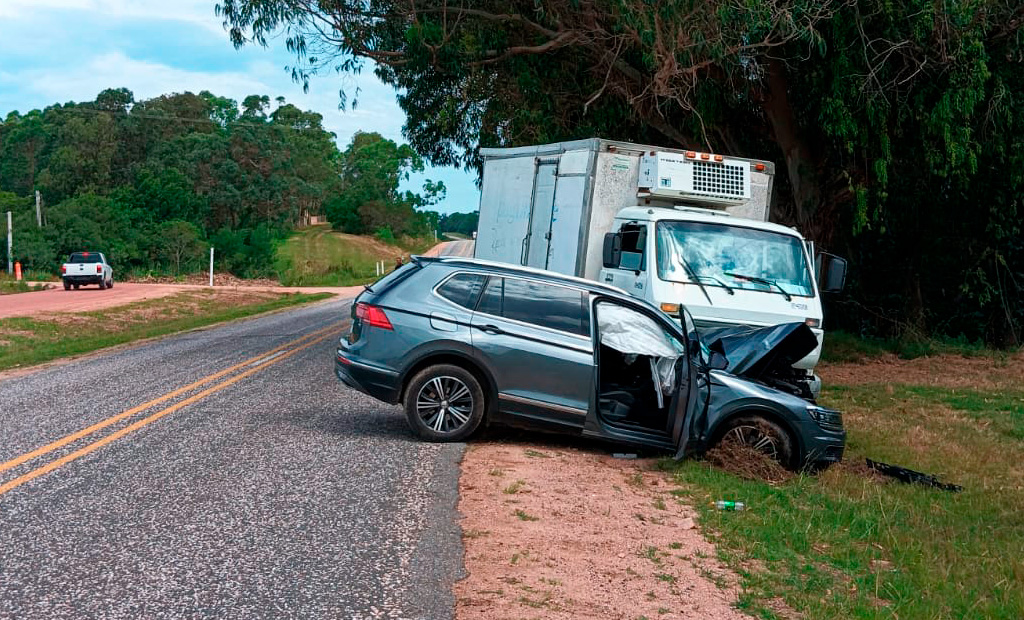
pixel 460 343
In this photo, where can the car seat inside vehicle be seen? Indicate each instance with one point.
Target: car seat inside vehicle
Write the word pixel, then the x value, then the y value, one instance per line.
pixel 637 371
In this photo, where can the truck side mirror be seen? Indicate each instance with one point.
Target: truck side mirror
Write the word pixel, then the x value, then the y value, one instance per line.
pixel 832 273
pixel 612 250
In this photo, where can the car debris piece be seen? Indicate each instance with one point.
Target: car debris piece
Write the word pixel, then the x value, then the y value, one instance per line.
pixel 623 455
pixel 909 476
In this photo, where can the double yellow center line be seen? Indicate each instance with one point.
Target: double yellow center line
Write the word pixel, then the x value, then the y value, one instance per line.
pixel 253 365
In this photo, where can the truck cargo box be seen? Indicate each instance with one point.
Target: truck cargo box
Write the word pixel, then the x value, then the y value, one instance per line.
pixel 548 206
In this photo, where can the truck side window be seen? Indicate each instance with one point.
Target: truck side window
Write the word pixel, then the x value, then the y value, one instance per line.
pixel 634 244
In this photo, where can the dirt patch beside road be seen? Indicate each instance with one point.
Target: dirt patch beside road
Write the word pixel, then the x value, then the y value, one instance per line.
pixel 558 532
pixel 952 371
pixel 90 299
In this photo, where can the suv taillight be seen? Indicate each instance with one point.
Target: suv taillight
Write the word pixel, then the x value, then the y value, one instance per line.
pixel 99 268
pixel 373 316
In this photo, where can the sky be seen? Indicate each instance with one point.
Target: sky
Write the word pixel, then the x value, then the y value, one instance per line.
pixel 55 51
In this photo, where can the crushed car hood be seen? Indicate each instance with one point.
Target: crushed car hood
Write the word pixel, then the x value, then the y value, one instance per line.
pixel 759 352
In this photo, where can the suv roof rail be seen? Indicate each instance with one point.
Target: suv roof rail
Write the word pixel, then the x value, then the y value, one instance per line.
pixel 479 262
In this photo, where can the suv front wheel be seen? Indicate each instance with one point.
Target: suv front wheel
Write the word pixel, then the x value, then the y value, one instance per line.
pixel 444 403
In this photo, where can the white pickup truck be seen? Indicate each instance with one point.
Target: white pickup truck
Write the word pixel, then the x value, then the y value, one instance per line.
pixel 87 268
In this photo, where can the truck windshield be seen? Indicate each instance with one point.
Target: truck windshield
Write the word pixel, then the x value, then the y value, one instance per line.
pixel 719 254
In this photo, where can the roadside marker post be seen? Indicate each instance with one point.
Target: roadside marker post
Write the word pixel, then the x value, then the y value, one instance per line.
pixel 211 266
pixel 10 245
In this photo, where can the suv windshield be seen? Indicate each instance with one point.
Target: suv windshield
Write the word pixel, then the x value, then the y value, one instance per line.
pixel 720 255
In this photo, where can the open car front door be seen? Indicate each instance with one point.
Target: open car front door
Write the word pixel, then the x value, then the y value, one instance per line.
pixel 687 408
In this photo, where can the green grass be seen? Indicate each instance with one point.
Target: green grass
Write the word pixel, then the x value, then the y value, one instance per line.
pixel 843 545
pixel 12 287
pixel 514 488
pixel 523 516
pixel 846 347
pixel 316 256
pixel 26 341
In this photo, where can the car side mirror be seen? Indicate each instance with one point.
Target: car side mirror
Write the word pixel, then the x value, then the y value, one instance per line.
pixel 832 273
pixel 718 360
pixel 612 252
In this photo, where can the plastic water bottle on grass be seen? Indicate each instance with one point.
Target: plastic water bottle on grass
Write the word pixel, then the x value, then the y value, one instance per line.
pixel 728 505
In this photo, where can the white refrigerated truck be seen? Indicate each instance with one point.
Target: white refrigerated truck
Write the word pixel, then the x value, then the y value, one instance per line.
pixel 670 226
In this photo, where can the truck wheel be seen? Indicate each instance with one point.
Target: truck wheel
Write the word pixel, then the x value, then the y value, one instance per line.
pixel 764 436
pixel 103 284
pixel 67 285
pixel 444 403
pixel 76 287
pixel 110 283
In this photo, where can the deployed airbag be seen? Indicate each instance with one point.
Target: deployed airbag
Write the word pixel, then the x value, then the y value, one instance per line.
pixel 633 333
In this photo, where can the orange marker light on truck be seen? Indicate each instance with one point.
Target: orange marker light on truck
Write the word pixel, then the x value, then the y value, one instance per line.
pixel 719 158
pixel 759 167
pixel 690 154
pixel 705 156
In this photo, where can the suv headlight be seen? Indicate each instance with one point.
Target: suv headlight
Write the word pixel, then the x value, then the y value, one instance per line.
pixel 826 418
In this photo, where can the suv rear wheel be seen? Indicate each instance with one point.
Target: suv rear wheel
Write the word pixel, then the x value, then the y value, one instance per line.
pixel 444 403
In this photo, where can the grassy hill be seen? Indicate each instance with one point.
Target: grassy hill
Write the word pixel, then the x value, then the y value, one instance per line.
pixel 318 256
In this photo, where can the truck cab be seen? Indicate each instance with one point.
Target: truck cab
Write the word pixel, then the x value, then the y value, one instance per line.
pixel 728 271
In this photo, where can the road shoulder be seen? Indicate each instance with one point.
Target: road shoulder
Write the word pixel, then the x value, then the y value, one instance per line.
pixel 560 532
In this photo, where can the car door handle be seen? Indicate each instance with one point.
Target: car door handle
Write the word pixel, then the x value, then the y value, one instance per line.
pixel 494 330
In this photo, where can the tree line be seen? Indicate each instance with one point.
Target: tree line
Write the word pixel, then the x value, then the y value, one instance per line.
pixel 154 183
pixel 897 127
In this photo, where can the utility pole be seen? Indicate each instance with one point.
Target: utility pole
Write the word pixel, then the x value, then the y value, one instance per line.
pixel 10 245
pixel 39 209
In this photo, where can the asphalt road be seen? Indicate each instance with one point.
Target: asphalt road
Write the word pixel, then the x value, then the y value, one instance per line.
pixel 269 490
pixel 90 298
pixel 462 249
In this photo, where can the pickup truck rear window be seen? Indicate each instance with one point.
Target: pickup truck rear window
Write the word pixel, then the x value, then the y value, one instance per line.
pixel 84 257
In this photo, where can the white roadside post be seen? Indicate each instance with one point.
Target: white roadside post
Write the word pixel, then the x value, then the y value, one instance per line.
pixel 10 245
pixel 211 265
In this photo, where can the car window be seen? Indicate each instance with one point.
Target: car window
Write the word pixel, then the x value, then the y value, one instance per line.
pixel 490 301
pixel 462 289
pixel 555 307
pixel 85 257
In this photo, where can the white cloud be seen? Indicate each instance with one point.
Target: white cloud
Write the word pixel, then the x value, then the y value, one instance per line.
pixel 199 12
pixel 377 109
